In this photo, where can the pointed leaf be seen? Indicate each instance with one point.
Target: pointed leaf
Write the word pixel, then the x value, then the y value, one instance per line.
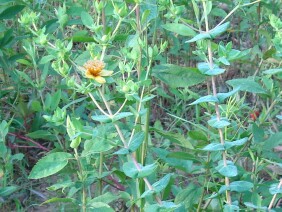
pixel 208 98
pixel 274 189
pixel 101 118
pixel 211 34
pixel 248 85
pixel 87 19
pixel 230 170
pixel 231 208
pixel 11 12
pixel 219 29
pixel 273 71
pixel 174 137
pixel 121 116
pixel 8 190
pixel 222 96
pixel 223 122
pixel 215 71
pixel 122 151
pixel 214 147
pixel 241 186
pixel 130 170
pixel 162 183
pixel 136 141
pixel 180 29
pixel 178 76
pixel 240 142
pixel 147 170
pixel 50 164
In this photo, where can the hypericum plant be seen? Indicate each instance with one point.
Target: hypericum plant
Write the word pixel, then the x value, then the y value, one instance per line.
pixel 119 109
pixel 221 131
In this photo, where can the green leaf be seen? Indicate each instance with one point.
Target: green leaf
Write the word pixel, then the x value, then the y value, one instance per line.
pixel 189 196
pixel 231 208
pixel 43 134
pixel 208 98
pixel 100 207
pixel 174 137
pixel 198 135
pixel 97 145
pixel 251 205
pixel 215 71
pixel 247 84
pixel 24 62
pixel 75 140
pixel 136 141
pixel 130 170
pixel 122 151
pixel 158 186
pixel 121 116
pixel 87 20
pixel 50 164
pixel 200 36
pixel 180 29
pixel 106 198
pixel 56 97
pixel 7 1
pixel 240 142
pixel 147 170
pixel 162 183
pixel 61 185
pixel 178 76
pixel 274 189
pixel 101 118
pixel 279 117
pixel 211 34
pixel 205 69
pixel 273 71
pixel 223 122
pixel 164 207
pixel 241 186
pixel 214 147
pixel 26 77
pixel 4 129
pixel 11 12
pixel 222 96
pixel 219 29
pixel 6 191
pixel 56 199
pixel 230 170
pixel 184 156
pixel 107 119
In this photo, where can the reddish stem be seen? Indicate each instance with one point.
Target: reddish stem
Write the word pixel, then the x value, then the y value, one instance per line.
pixel 30 140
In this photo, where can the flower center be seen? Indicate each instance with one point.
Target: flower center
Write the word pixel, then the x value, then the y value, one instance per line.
pixel 94 67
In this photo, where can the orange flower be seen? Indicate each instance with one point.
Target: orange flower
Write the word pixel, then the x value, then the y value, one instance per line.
pixel 94 69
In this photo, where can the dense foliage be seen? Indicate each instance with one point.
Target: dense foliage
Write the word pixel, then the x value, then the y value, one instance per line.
pixel 140 105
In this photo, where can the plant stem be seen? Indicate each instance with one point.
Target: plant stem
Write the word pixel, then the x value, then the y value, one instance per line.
pixel 274 196
pixel 100 173
pixel 81 172
pixel 220 132
pixel 132 156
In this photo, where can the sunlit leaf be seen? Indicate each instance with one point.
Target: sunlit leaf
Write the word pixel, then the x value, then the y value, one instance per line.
pixel 180 29
pixel 247 84
pixel 49 165
pixel 230 170
pixel 208 98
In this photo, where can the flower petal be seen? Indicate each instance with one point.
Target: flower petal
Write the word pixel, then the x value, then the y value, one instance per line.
pixel 106 73
pixel 100 79
pixel 89 75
